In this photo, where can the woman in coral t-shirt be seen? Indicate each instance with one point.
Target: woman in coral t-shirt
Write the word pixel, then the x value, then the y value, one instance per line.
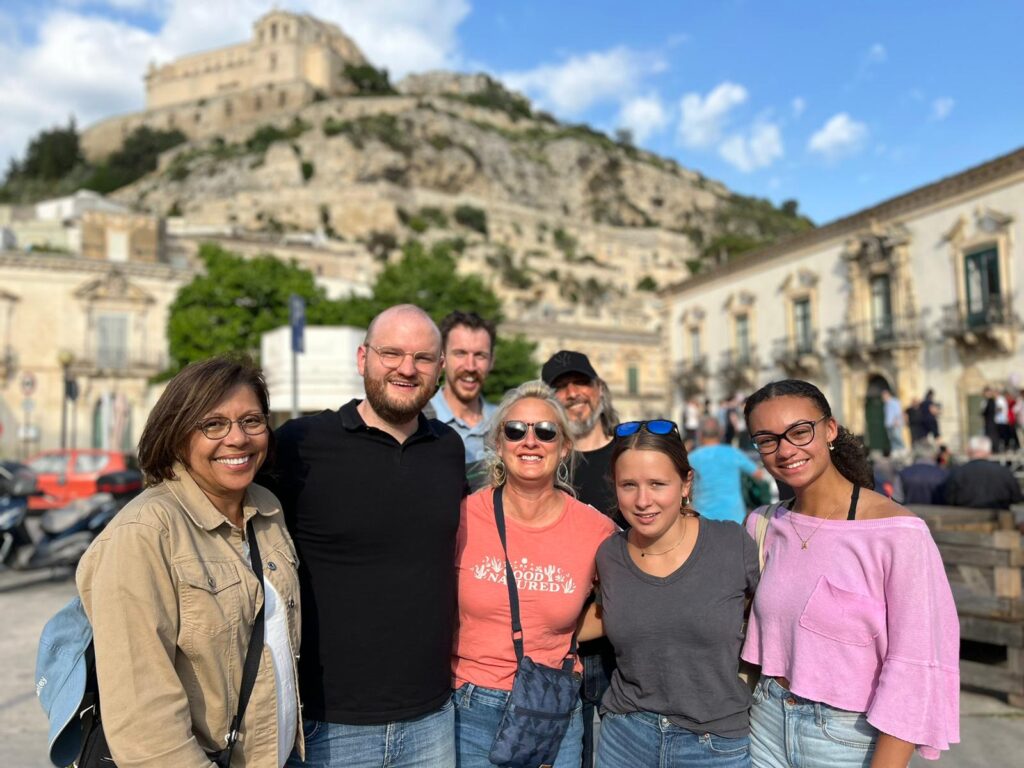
pixel 552 542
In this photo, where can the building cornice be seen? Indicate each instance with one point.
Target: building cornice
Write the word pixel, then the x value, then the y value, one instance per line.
pixel 1001 170
pixel 603 333
pixel 64 263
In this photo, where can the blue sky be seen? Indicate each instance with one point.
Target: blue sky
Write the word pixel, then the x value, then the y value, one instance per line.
pixel 838 105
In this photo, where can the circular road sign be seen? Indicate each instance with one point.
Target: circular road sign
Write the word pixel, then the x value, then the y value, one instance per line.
pixel 28 383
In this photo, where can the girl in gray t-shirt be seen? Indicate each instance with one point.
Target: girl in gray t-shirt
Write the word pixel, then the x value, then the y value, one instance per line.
pixel 673 590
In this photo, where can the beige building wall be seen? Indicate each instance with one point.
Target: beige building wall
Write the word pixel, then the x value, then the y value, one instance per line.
pixel 110 318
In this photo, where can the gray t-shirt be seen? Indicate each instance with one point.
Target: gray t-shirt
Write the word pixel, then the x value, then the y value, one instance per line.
pixel 677 639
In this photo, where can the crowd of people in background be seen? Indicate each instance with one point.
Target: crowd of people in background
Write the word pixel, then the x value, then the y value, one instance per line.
pixel 407 555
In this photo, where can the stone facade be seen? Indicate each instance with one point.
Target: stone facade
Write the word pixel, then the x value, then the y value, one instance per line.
pixel 110 318
pixel 291 60
pixel 919 292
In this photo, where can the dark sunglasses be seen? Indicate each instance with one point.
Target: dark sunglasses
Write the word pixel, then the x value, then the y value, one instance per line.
pixel 654 426
pixel 545 431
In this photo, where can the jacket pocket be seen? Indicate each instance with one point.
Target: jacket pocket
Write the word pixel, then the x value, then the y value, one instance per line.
pixel 210 596
pixel 841 615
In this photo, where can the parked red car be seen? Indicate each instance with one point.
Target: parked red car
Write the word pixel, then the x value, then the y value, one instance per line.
pixel 66 475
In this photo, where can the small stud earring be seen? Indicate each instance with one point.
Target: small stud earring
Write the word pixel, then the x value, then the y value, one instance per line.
pixel 831 446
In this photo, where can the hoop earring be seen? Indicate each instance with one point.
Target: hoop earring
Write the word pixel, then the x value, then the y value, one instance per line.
pixel 684 503
pixel 562 474
pixel 498 474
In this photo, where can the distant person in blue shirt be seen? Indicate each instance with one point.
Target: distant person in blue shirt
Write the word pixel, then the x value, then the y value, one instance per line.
pixel 718 469
pixel 467 341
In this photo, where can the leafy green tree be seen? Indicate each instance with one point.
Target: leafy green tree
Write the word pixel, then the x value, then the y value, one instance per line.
pixel 136 157
pixel 50 155
pixel 227 308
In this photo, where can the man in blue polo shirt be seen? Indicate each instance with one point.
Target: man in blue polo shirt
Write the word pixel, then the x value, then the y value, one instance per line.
pixel 468 343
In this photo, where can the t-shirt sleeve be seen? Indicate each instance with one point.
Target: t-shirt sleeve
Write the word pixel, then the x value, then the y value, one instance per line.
pixel 918 693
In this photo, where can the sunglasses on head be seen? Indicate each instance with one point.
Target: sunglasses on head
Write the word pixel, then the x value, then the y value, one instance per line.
pixel 654 426
pixel 545 431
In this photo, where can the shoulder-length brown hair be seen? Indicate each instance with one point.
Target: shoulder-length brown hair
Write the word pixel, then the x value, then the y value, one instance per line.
pixel 189 396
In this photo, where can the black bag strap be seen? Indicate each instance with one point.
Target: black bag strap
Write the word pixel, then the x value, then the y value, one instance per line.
pixel 513 591
pixel 252 655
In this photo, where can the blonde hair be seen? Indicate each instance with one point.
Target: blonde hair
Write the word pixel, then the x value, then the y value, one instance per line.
pixel 536 390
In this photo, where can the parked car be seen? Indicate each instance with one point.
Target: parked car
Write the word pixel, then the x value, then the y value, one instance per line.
pixel 65 475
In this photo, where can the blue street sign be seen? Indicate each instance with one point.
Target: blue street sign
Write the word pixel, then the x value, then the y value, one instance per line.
pixel 297 320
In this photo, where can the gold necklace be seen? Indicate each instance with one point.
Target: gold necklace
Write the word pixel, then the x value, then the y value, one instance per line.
pixel 803 541
pixel 666 551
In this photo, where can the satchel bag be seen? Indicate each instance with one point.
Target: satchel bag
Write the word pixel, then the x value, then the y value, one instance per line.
pixel 74 712
pixel 751 673
pixel 540 706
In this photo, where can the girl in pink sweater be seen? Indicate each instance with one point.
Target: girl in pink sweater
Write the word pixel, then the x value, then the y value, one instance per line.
pixel 853 623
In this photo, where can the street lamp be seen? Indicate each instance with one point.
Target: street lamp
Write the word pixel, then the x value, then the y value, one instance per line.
pixel 65 358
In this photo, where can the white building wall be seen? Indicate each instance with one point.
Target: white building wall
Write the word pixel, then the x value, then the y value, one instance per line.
pixel 327 369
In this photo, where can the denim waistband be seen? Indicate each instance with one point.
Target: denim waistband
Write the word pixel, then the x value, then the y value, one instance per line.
pixel 469 693
pixel 771 689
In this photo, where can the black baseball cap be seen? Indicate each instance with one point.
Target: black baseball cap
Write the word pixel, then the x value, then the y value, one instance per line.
pixel 566 361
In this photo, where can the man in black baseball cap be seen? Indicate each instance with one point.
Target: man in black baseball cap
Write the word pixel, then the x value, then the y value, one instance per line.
pixel 592 422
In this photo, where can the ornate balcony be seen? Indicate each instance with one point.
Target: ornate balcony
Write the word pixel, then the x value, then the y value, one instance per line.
pixel 992 329
pixel 863 341
pixel 799 358
pixel 692 376
pixel 739 371
pixel 120 364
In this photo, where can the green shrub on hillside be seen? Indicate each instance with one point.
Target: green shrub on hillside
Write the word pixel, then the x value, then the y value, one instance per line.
pixel 368 80
pixel 472 218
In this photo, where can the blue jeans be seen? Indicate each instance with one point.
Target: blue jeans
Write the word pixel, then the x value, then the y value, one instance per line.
pixel 788 731
pixel 478 714
pixel 427 741
pixel 647 740
pixel 598 659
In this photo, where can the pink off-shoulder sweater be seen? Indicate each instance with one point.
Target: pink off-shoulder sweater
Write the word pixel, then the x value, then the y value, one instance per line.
pixel 863 620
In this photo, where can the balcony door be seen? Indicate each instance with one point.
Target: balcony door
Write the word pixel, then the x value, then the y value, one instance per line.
pixel 983 293
pixel 881 308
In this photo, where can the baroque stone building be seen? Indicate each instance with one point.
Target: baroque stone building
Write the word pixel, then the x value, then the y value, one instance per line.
pixel 291 60
pixel 919 292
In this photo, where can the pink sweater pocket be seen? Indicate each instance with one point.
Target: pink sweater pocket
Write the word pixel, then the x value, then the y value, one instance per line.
pixel 841 615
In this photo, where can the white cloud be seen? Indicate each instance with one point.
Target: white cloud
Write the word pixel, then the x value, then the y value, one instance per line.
pixel 841 135
pixel 761 147
pixel 798 105
pixel 704 117
pixel 581 81
pixel 941 108
pixel 644 116
pixel 876 54
pixel 78 62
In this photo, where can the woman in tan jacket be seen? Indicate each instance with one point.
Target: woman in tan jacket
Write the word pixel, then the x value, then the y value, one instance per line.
pixel 171 593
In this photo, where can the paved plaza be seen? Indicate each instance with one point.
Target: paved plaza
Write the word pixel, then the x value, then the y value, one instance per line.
pixel 992 732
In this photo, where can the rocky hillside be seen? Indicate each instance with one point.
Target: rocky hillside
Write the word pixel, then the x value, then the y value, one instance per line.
pixel 365 167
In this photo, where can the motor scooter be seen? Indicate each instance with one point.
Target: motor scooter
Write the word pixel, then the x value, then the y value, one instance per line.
pixel 64 533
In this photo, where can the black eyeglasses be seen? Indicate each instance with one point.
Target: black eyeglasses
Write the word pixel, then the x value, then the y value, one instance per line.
pixel 654 426
pixel 545 431
pixel 218 427
pixel 799 434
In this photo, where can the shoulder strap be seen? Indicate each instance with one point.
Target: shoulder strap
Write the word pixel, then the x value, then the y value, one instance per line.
pixel 513 592
pixel 852 514
pixel 761 529
pixel 252 654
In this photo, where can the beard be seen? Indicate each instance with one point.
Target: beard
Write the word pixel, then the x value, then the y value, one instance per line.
pixel 582 427
pixel 393 410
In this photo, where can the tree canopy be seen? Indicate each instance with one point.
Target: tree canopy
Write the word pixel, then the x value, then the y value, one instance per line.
pixel 226 309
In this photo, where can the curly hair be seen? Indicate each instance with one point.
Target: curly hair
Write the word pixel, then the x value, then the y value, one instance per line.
pixel 537 390
pixel 848 454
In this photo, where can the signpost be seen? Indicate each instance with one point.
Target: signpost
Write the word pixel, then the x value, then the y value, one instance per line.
pixel 26 433
pixel 297 320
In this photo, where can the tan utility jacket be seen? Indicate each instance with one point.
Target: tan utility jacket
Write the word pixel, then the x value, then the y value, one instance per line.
pixel 172 597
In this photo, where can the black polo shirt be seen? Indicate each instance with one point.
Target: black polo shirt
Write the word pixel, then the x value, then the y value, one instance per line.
pixel 374 523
